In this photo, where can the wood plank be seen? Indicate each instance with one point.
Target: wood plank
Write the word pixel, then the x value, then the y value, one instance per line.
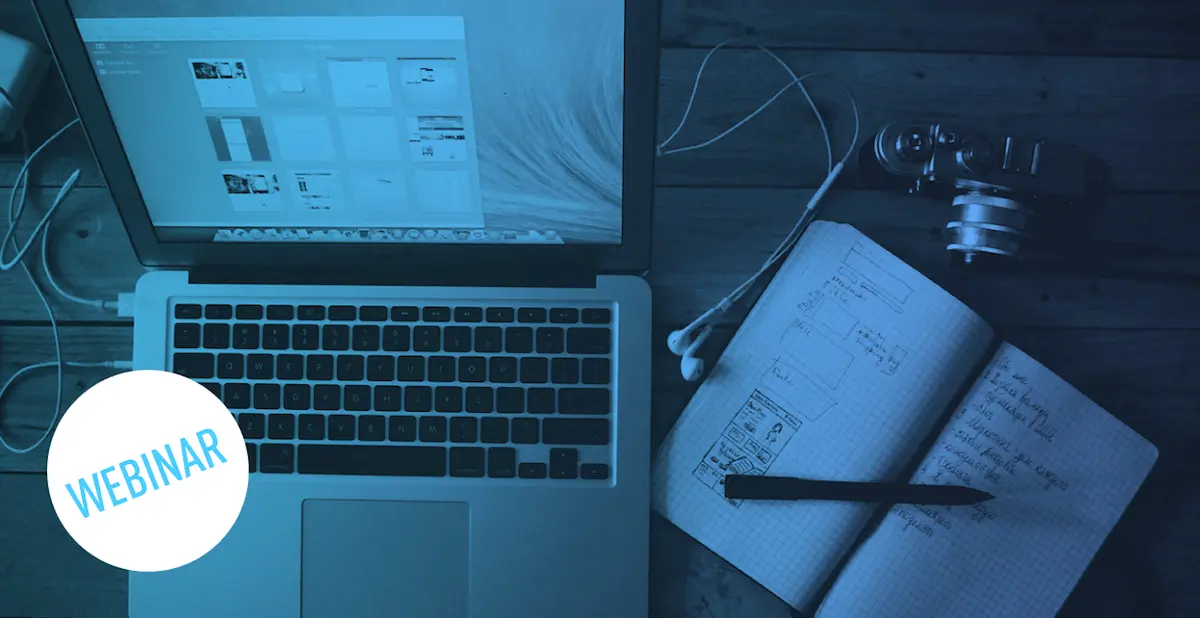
pixel 1085 27
pixel 1141 117
pixel 1140 260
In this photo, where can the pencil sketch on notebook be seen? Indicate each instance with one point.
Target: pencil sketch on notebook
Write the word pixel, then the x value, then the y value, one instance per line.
pixel 750 443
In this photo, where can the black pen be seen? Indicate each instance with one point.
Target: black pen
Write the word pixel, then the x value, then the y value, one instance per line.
pixel 786 488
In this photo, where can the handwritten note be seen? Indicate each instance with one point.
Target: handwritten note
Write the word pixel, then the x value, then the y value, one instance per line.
pixel 1063 471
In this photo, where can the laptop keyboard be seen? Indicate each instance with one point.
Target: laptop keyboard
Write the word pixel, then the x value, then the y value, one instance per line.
pixel 419 391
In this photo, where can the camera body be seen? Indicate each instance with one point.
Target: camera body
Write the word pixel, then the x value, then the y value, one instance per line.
pixel 995 182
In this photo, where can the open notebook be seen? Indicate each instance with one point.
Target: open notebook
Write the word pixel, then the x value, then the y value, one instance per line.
pixel 853 366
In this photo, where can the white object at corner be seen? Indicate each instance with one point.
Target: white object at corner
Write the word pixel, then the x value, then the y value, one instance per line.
pixel 22 67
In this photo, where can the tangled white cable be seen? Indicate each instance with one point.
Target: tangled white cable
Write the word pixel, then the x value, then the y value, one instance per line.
pixel 687 341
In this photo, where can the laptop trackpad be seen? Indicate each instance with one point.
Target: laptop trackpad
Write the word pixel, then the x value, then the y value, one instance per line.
pixel 371 558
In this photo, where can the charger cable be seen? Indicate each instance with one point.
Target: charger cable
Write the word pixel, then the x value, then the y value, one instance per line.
pixel 16 207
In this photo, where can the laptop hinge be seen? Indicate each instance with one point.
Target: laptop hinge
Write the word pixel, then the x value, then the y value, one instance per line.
pixel 510 276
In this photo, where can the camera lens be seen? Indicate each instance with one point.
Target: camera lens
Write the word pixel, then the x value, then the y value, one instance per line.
pixel 913 145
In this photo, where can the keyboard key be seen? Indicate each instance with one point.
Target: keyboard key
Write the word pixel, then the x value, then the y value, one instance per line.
pixel 464 429
pixel 297 397
pixel 260 366
pixel 373 313
pixel 231 366
pixel 319 367
pixel 276 337
pixel 518 340
pixel 531 316
pixel 493 430
pixel 478 399
pixel 381 368
pixel 252 456
pixel 584 401
pixel 436 314
pixel 388 399
pixel 467 461
pixel 564 463
pixel 312 427
pixel 427 339
pixel 441 368
pixel 194 365
pixel 596 371
pixel 468 314
pixel 510 400
pixel 311 313
pixel 365 338
pixel 327 397
pixel 597 316
pixel 432 428
pixel 341 427
pixel 245 337
pixel 335 337
pixel 564 370
pixel 577 431
pixel 594 471
pixel 489 339
pixel 418 399
pixel 305 337
pixel 501 462
pixel 216 336
pixel 252 425
pixel 281 426
pixel 402 429
pixel 343 313
pixel 289 367
pixel 236 396
pixel 589 341
pixel 532 471
pixel 396 338
pixel 281 312
pixel 502 369
pixel 249 312
pixel 549 340
pixel 456 339
pixel 541 401
pixel 534 370
pixel 276 458
pixel 218 312
pixel 351 367
pixel 213 388
pixel 267 397
pixel 405 314
pixel 499 314
pixel 525 431
pixel 371 460
pixel 564 316
pixel 187 336
pixel 472 369
pixel 372 428
pixel 357 397
pixel 448 399
pixel 187 312
pixel 410 369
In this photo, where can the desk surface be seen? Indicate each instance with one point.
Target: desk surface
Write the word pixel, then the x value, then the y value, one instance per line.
pixel 1115 310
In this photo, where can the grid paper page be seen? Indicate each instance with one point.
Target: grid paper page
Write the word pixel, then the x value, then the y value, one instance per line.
pixel 840 372
pixel 1062 470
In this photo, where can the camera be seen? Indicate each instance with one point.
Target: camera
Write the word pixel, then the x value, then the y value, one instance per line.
pixel 995 182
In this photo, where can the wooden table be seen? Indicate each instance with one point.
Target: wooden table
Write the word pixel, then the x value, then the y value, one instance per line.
pixel 1118 314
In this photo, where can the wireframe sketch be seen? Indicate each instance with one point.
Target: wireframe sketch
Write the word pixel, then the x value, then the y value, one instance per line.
pixel 317 190
pixel 253 190
pixel 750 443
pixel 222 82
pixel 821 356
pixel 795 388
pixel 876 277
pixel 437 139
pixel 430 83
pixel 885 356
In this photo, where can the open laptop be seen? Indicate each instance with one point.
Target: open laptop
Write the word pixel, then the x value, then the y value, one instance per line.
pixel 402 240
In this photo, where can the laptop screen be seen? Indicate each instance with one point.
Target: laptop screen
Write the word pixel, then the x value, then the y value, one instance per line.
pixel 367 121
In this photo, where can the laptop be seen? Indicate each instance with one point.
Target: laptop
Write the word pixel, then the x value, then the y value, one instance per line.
pixel 404 242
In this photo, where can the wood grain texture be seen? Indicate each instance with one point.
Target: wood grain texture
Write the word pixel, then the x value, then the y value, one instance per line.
pixel 1113 107
pixel 1156 28
pixel 1132 264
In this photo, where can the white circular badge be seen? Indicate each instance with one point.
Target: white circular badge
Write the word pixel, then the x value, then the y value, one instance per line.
pixel 147 471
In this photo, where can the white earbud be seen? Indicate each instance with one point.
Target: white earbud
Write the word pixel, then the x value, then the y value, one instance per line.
pixel 690 365
pixel 681 340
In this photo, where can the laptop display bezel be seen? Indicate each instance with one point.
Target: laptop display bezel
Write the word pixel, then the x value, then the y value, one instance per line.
pixel 642 20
